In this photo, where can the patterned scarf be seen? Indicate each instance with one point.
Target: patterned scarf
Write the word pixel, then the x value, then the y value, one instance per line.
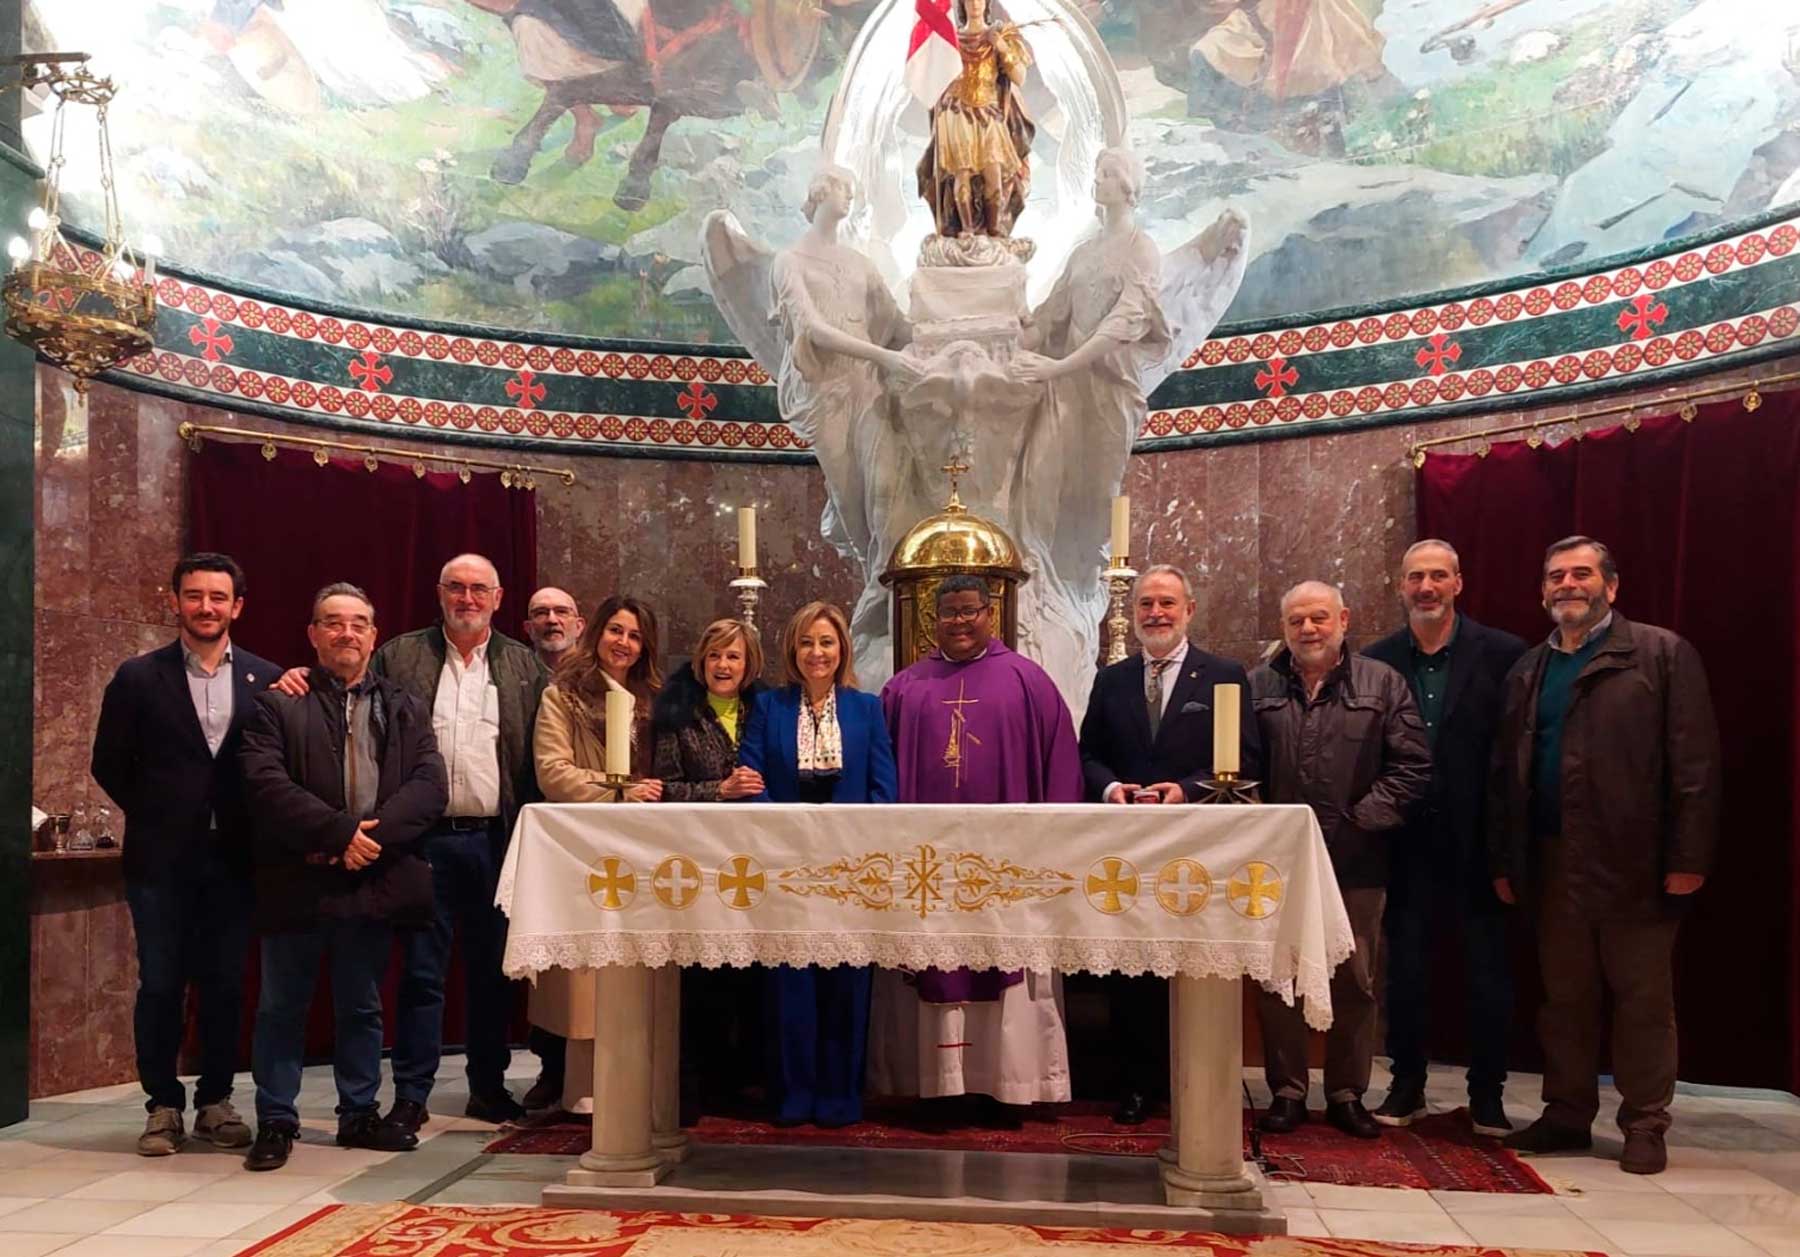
pixel 821 746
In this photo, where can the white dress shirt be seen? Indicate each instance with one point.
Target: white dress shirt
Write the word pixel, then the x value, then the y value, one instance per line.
pixel 1175 658
pixel 465 716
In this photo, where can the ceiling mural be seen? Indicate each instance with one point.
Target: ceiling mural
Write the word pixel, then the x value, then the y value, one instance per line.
pixel 544 165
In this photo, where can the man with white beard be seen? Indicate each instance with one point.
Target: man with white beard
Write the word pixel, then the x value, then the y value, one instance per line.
pixel 1342 735
pixel 1148 737
pixel 1438 867
pixel 553 622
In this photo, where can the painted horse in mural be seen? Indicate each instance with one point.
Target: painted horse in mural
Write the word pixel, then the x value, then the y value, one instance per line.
pixel 678 58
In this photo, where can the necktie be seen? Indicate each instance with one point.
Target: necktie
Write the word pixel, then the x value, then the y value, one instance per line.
pixel 1153 696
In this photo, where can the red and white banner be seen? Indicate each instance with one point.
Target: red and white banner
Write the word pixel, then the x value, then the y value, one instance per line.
pixel 933 59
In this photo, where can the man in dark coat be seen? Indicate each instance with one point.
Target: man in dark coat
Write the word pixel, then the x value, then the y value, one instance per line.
pixel 1340 734
pixel 343 782
pixel 1149 728
pixel 165 751
pixel 1438 868
pixel 1604 816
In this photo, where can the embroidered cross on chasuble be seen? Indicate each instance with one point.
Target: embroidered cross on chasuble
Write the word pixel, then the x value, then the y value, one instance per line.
pixel 990 730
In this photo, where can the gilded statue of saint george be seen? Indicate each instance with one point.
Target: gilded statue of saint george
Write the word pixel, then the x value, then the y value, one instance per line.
pixel 976 171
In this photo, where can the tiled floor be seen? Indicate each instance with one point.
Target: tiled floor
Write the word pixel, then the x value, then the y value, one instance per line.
pixel 70 1183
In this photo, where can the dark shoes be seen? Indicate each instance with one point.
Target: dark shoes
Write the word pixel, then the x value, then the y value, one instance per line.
pixel 1405 1104
pixel 1487 1116
pixel 369 1130
pixel 1644 1153
pixel 545 1093
pixel 1547 1136
pixel 1284 1116
pixel 1134 1107
pixel 496 1108
pixel 1353 1119
pixel 408 1115
pixel 270 1151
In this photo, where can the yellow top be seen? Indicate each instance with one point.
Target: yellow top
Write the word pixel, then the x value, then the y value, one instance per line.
pixel 727 710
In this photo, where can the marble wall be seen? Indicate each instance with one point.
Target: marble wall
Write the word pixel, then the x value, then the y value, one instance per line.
pixel 1247 520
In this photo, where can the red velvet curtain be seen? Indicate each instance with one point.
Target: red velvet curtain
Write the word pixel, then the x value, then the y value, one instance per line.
pixel 295 526
pixel 1702 517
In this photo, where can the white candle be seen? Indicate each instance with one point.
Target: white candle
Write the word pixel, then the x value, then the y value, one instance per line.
pixel 618 733
pixel 747 537
pixel 1226 715
pixel 1121 526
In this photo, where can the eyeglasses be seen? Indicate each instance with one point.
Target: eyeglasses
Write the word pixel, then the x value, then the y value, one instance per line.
pixel 544 613
pixel 337 624
pixel 457 589
pixel 951 615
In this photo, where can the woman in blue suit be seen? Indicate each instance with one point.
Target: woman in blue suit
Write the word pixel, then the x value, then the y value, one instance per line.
pixel 819 740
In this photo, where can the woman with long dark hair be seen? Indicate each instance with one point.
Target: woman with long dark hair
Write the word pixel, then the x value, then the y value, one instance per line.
pixel 617 651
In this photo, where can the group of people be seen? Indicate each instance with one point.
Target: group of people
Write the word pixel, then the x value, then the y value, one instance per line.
pixel 368 798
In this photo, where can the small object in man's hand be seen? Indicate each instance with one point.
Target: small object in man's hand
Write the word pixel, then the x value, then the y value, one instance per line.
pixel 1146 796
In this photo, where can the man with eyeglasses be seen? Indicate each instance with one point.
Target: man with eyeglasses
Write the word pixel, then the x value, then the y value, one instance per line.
pixel 553 623
pixel 972 723
pixel 343 783
pixel 482 690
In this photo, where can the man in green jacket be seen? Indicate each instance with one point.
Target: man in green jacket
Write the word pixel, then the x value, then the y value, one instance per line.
pixel 1603 816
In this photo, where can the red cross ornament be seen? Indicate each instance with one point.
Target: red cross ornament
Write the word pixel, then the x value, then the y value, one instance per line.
pixel 1276 378
pixel 211 343
pixel 696 401
pixel 370 372
pixel 1645 314
pixel 524 389
pixel 1440 356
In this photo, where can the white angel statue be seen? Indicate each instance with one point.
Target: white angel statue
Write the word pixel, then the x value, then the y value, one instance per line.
pixel 1120 319
pixel 821 321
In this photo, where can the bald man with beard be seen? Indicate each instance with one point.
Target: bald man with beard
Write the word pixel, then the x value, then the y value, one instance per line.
pixel 1342 735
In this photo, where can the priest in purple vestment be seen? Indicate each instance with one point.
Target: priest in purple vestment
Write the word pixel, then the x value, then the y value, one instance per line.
pixel 975 722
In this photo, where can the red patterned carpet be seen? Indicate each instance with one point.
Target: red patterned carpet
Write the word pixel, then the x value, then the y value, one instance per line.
pixel 1436 1153
pixel 402 1230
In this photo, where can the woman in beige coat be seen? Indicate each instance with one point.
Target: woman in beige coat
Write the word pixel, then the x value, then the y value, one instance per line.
pixel 617 651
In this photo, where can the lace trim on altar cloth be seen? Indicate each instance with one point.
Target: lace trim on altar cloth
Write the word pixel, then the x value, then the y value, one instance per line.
pixel 1278 969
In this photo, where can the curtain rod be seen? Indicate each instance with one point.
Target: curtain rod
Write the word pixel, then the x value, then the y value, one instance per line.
pixel 512 475
pixel 1752 399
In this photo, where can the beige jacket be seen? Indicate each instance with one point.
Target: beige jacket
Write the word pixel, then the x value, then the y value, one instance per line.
pixel 570 747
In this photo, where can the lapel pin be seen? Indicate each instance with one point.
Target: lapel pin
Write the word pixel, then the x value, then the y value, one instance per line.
pixel 250 678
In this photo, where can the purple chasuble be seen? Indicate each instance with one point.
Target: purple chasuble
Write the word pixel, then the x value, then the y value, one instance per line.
pixel 991 730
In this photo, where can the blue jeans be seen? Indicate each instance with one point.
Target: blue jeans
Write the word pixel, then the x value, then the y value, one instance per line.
pixel 821 1028
pixel 193 928
pixel 1421 897
pixel 465 870
pixel 290 966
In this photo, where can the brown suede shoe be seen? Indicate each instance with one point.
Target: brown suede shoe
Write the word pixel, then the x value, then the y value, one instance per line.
pixel 1645 1153
pixel 1546 1136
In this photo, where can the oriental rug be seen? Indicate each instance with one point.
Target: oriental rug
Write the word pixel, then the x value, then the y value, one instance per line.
pixel 402 1230
pixel 1435 1153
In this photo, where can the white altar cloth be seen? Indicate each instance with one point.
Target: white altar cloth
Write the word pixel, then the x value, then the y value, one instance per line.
pixel 1201 892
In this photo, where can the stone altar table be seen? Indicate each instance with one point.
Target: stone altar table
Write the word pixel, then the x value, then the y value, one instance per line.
pixel 1204 895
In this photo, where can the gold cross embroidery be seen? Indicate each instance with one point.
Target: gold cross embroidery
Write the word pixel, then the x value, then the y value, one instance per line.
pixel 615 883
pixel 739 881
pixel 1258 885
pixel 956 748
pixel 1114 879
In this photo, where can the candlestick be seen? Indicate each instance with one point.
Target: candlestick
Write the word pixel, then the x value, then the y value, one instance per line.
pixel 747 537
pixel 618 733
pixel 1227 714
pixel 748 587
pixel 1118 578
pixel 1121 527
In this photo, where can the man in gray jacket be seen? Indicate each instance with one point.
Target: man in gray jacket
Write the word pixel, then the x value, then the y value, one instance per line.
pixel 1342 735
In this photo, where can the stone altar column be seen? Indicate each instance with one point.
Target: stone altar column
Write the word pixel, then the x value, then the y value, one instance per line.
pixel 666 1135
pixel 1209 1170
pixel 623 1154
